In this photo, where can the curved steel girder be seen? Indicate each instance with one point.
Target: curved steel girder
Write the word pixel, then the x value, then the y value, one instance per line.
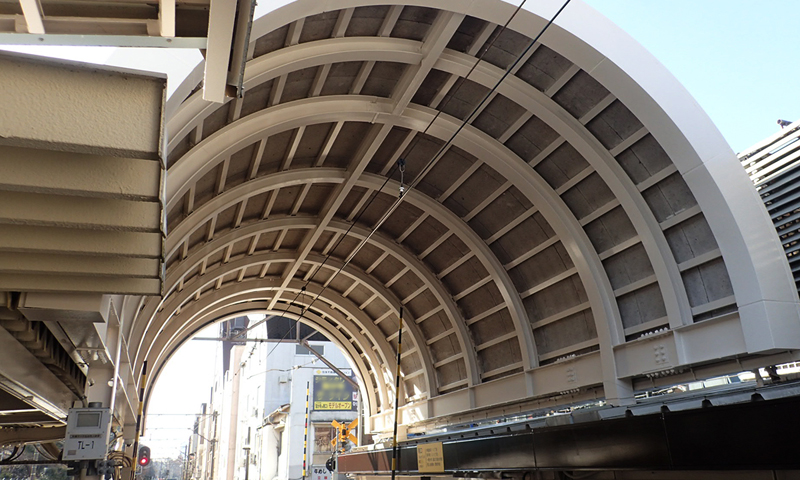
pixel 146 315
pixel 449 219
pixel 546 109
pixel 217 300
pixel 652 238
pixel 233 196
pixel 278 223
pixel 236 194
pixel 433 284
pixel 374 334
pixel 202 158
pixel 528 181
pixel 482 252
pixel 168 329
pixel 587 262
pixel 234 310
pixel 297 57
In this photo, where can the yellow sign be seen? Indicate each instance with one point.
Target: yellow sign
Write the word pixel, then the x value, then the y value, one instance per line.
pixel 430 458
pixel 333 405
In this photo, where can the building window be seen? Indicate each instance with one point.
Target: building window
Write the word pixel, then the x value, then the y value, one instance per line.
pixel 302 350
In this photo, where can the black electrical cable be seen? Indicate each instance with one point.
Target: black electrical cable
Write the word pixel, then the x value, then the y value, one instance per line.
pixel 425 169
pixel 450 97
pixel 10 456
pixel 436 156
pixel 464 123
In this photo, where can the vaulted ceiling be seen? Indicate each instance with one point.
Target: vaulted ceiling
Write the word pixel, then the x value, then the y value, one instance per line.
pixel 570 226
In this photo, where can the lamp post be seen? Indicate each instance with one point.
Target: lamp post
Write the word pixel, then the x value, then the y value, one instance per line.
pixel 246 463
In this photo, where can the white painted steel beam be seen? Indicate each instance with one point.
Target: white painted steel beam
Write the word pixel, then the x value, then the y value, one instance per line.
pixel 220 37
pixel 166 18
pixel 102 40
pixel 32 10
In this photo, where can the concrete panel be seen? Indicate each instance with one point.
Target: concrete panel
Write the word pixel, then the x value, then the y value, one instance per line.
pixel 644 159
pixel 25 376
pixel 543 68
pixel 47 171
pixel 580 94
pixel 89 119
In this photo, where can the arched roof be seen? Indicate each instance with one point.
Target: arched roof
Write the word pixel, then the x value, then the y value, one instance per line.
pixel 587 229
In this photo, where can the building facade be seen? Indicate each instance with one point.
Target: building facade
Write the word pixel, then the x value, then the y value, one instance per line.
pixel 255 423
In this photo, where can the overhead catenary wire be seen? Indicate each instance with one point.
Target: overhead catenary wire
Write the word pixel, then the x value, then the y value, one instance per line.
pixel 400 164
pixel 446 145
pixel 458 130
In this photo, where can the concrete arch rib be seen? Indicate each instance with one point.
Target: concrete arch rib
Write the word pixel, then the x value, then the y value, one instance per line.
pixel 374 391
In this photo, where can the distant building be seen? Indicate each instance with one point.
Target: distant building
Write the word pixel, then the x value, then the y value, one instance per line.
pixel 254 426
pixel 774 167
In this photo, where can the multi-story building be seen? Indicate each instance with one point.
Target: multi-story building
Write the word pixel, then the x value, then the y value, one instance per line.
pixel 268 390
pixel 774 167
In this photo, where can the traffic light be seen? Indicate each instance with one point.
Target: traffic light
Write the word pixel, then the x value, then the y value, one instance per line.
pixel 144 456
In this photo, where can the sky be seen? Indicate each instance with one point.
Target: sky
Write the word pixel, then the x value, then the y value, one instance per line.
pixel 736 57
pixel 184 384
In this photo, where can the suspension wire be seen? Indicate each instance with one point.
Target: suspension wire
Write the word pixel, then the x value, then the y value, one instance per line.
pixel 464 123
pixel 400 164
pixel 461 82
pixel 397 394
pixel 444 147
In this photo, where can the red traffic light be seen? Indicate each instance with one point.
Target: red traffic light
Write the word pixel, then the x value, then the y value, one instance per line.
pixel 144 456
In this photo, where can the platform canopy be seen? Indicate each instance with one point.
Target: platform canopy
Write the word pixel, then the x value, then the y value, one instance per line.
pixel 573 225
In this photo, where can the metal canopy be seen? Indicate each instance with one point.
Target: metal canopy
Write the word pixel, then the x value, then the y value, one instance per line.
pixel 579 237
pixel 588 233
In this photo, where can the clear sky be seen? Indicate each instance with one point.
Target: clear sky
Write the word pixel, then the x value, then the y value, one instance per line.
pixel 738 58
pixel 184 384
